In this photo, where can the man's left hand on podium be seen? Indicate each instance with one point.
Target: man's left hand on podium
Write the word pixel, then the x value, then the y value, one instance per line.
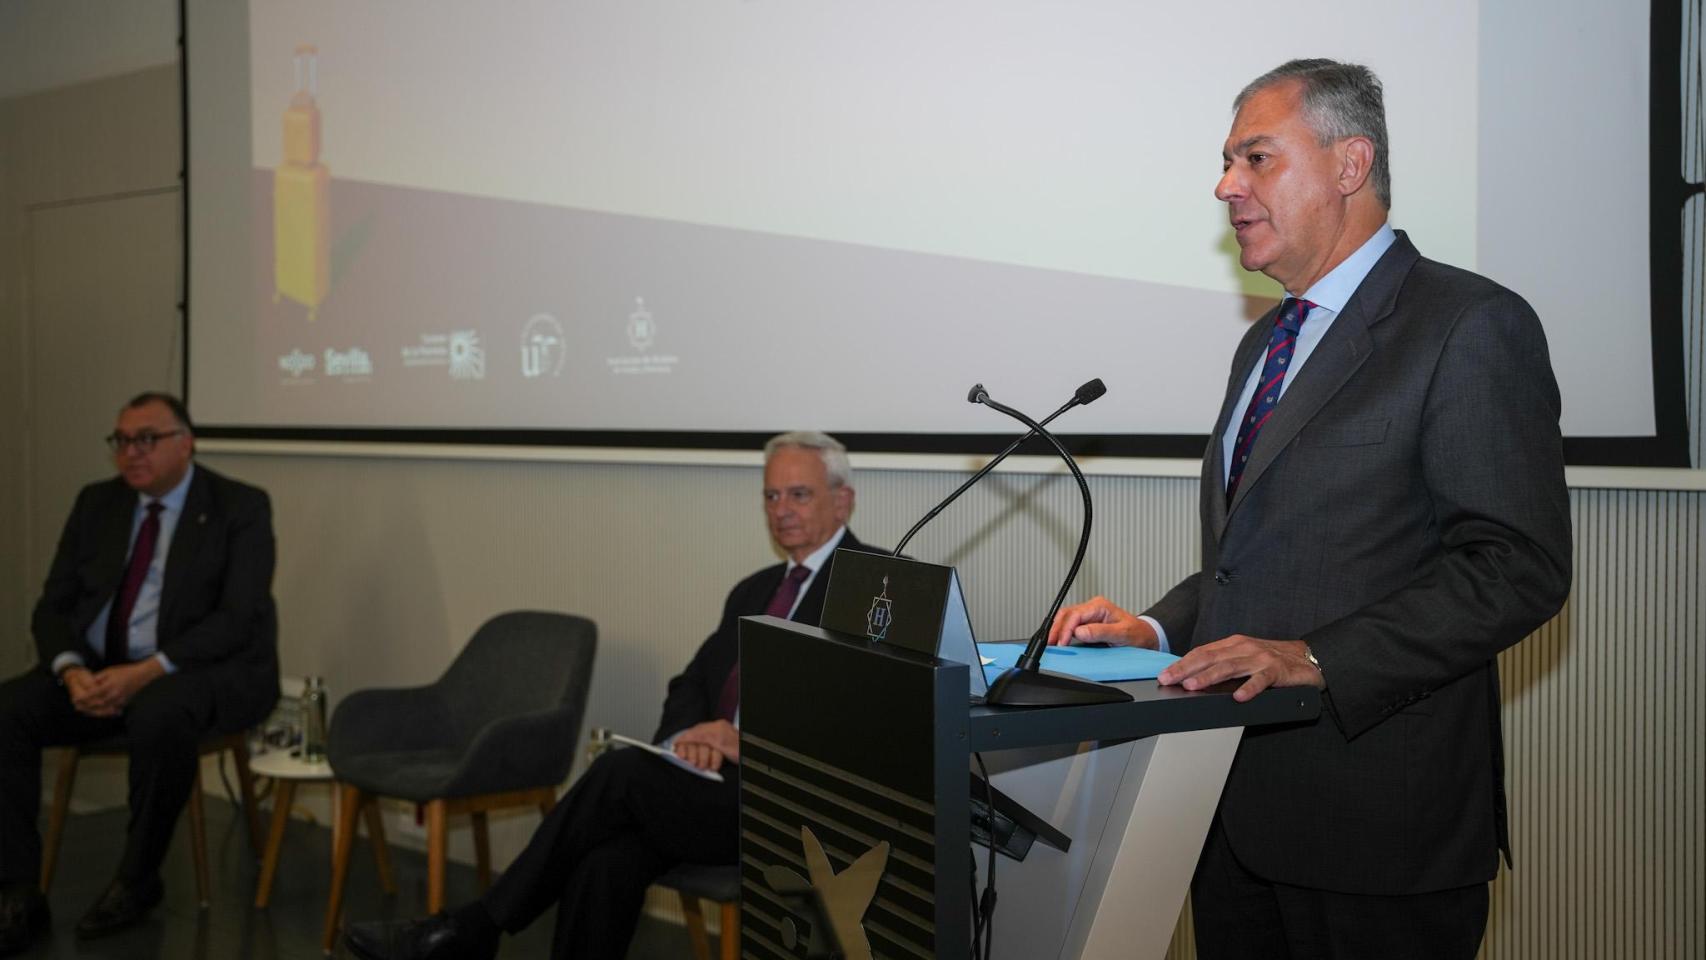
pixel 1267 663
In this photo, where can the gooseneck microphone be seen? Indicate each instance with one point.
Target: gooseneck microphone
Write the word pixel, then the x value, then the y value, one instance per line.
pixel 1026 684
pixel 1086 393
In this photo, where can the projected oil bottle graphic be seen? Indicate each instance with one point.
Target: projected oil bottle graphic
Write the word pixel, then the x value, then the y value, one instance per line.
pixel 301 206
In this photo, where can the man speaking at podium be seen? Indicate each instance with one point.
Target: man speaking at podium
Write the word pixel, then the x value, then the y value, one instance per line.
pixel 1383 510
pixel 632 816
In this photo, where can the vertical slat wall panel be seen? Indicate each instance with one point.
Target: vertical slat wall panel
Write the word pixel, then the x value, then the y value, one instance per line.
pixel 1604 726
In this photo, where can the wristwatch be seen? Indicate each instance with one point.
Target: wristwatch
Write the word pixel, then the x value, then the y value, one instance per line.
pixel 1310 656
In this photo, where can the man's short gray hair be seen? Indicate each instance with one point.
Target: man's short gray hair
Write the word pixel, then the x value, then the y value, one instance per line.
pixel 828 449
pixel 1339 100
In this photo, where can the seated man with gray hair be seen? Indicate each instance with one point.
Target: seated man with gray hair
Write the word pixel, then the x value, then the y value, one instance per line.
pixel 631 817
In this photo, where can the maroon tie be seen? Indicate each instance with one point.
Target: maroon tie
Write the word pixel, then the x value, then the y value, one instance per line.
pixel 781 604
pixel 141 555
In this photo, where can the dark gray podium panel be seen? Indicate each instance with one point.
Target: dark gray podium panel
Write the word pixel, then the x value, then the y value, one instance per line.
pixel 860 745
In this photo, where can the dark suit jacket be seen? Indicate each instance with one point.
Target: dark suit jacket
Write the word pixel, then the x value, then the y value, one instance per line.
pixel 216 605
pixel 693 695
pixel 1404 512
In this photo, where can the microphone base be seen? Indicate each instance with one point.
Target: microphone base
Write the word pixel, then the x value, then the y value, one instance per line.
pixel 1045 688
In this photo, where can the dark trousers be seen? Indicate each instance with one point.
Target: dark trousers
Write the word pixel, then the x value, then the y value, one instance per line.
pixel 164 723
pixel 623 824
pixel 1239 915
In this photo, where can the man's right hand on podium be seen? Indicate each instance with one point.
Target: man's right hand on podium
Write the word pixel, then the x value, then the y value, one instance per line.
pixel 1099 620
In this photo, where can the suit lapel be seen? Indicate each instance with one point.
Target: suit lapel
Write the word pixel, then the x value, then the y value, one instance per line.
pixel 810 608
pixel 1340 353
pixel 1253 345
pixel 117 515
pixel 1338 356
pixel 186 543
pixel 812 602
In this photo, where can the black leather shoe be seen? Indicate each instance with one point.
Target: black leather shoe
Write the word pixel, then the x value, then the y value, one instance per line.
pixel 438 937
pixel 121 907
pixel 23 914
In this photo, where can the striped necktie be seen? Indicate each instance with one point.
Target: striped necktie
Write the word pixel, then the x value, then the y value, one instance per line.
pixel 1280 346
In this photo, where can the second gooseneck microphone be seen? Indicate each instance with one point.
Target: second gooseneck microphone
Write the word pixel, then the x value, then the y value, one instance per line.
pixel 1086 393
pixel 1026 684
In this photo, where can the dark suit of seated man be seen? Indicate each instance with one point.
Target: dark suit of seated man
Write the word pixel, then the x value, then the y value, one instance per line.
pixel 631 816
pixel 156 623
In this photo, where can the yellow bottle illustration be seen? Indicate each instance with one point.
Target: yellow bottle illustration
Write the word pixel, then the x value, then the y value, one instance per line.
pixel 301 205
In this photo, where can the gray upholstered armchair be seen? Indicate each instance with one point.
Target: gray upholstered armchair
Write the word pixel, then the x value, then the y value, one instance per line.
pixel 499 729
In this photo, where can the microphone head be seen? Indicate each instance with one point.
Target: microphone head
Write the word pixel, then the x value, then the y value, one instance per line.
pixel 977 394
pixel 1091 391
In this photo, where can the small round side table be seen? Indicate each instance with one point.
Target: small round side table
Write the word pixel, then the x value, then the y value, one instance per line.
pixel 287 770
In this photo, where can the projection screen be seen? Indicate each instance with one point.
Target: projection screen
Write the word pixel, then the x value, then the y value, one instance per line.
pixel 694 222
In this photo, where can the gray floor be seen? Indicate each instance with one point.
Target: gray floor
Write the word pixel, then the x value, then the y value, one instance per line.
pixel 290 927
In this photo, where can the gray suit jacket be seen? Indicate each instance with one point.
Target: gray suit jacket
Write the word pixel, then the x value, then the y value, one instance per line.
pixel 1404 512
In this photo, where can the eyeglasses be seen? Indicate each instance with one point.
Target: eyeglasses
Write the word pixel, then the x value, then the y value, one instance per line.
pixel 144 440
pixel 798 496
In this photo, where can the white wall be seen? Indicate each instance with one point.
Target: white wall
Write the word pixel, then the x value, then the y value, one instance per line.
pixel 55 43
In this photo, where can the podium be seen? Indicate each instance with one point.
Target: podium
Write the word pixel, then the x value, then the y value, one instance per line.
pixel 856 815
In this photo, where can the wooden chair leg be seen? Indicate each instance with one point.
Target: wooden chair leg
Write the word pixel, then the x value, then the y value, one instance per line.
pixel 693 918
pixel 246 783
pixel 381 852
pixel 729 939
pixel 436 814
pixel 350 800
pixel 482 851
pixel 56 814
pixel 198 838
pixel 284 793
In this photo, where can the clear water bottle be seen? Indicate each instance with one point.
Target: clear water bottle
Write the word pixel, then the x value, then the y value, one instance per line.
pixel 314 720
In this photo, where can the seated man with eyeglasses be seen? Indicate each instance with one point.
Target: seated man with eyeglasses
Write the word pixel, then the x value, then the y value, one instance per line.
pixel 156 624
pixel 631 816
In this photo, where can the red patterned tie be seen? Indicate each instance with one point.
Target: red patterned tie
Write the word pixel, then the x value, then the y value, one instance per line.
pixel 781 604
pixel 1280 346
pixel 141 555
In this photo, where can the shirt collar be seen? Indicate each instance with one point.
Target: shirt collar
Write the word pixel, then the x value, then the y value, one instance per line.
pixel 1334 290
pixel 174 499
pixel 820 556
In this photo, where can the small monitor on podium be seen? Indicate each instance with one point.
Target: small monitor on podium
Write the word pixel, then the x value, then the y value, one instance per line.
pixel 906 603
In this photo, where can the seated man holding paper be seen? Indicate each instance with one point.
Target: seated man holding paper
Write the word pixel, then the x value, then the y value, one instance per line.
pixel 632 816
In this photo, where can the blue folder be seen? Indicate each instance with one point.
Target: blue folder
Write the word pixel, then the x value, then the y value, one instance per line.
pixel 1091 663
